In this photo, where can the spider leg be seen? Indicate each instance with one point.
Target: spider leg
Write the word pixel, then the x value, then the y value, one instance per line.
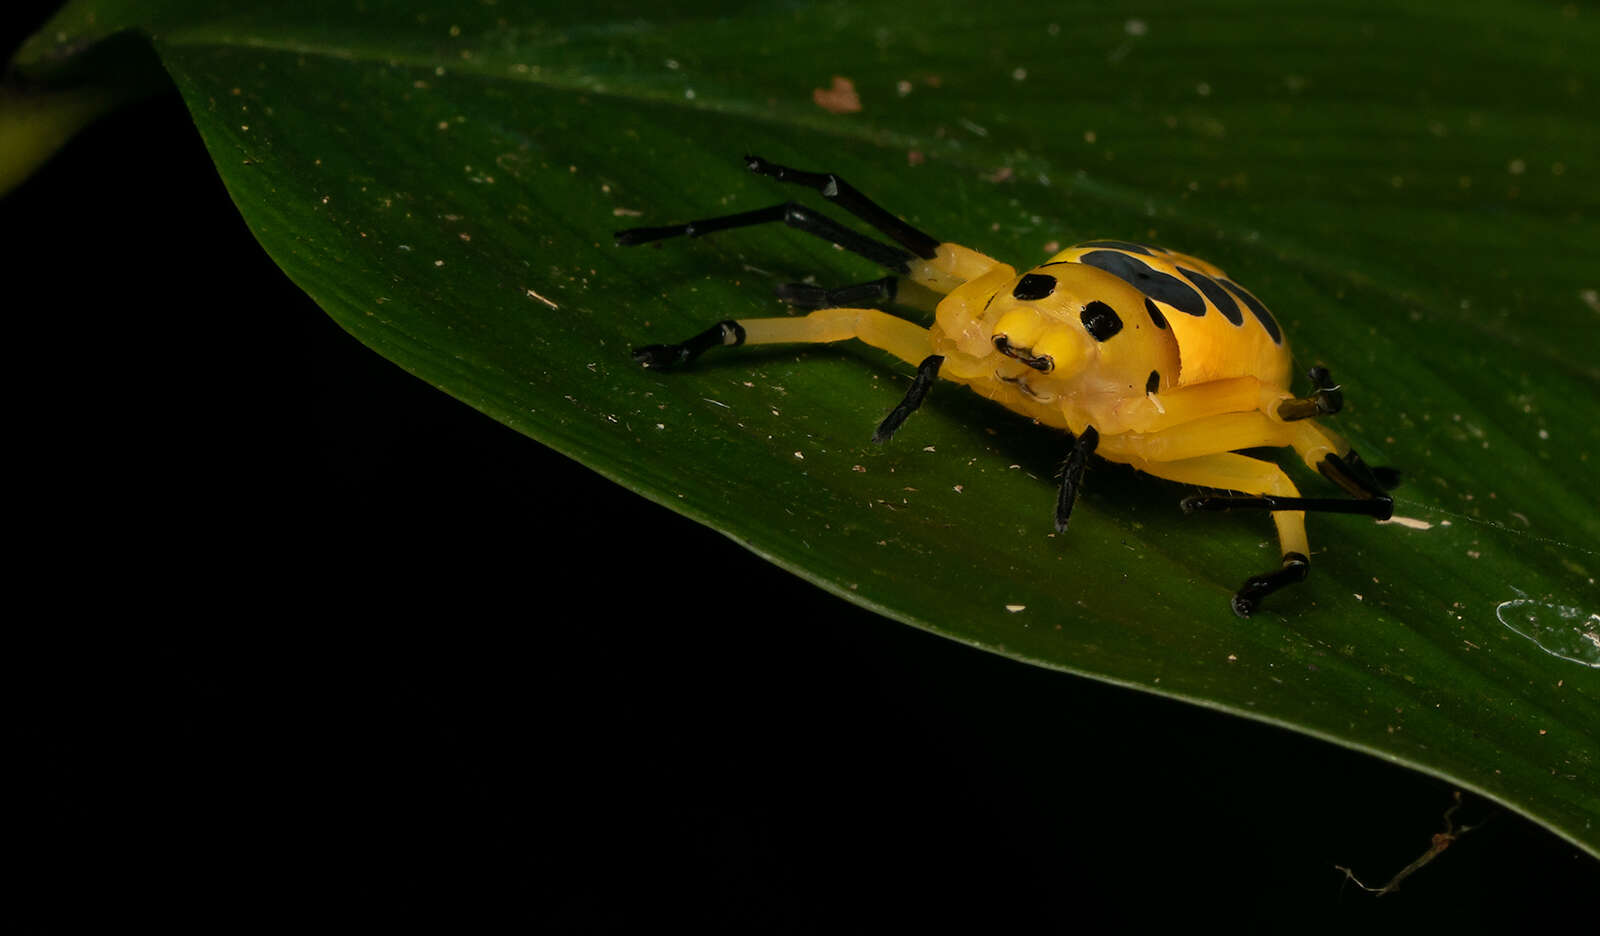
pixel 1326 399
pixel 1370 494
pixel 807 296
pixel 1072 475
pixel 794 215
pixel 927 373
pixel 906 340
pixel 1295 568
pixel 1379 509
pixel 726 332
pixel 1357 477
pixel 1234 472
pixel 847 197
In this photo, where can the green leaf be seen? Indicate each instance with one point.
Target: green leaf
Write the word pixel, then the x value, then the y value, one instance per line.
pixel 445 181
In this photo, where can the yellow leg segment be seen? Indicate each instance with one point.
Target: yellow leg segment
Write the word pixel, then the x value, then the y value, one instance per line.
pixel 1219 416
pixel 1156 412
pixel 1227 432
pixel 951 266
pixel 1258 478
pixel 906 340
pixel 1230 472
pixel 1209 435
pixel 1314 443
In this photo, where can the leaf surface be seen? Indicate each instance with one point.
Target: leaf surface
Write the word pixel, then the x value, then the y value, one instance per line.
pixel 444 181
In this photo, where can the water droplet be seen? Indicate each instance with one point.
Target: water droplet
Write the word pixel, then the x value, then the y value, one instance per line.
pixel 1564 632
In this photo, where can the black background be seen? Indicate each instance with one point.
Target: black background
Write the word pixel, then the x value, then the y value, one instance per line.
pixel 309 640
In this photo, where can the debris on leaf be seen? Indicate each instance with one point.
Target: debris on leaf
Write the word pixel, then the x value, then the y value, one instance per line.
pixel 839 99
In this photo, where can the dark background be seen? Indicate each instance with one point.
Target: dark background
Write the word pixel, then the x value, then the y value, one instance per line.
pixel 312 641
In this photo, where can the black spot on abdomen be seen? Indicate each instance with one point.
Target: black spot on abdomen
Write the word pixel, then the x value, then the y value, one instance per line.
pixel 1256 309
pixel 1035 286
pixel 1163 287
pixel 1219 297
pixel 1101 320
pixel 1154 383
pixel 1155 313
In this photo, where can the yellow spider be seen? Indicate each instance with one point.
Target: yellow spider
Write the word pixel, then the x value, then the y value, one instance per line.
pixel 1144 356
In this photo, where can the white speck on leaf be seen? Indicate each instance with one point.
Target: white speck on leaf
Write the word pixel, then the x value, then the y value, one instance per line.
pixel 1410 523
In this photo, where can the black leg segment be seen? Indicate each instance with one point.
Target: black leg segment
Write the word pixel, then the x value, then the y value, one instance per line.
pixel 927 372
pixel 1367 486
pixel 1072 475
pixel 1355 476
pixel 726 332
pixel 794 215
pixel 1326 399
pixel 807 296
pixel 1378 509
pixel 1294 569
pixel 845 196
